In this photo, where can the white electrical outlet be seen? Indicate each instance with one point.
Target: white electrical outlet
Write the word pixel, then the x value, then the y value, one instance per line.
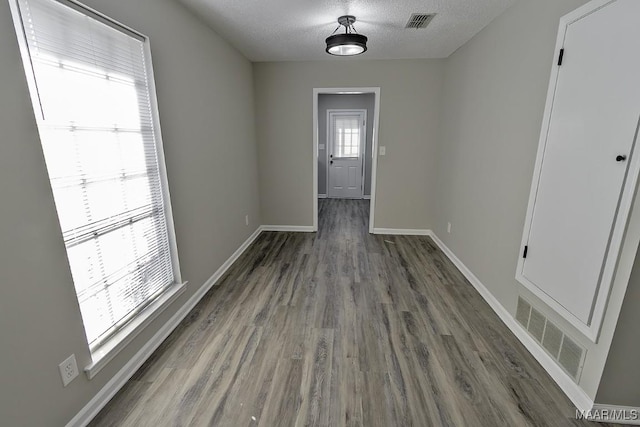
pixel 383 150
pixel 448 227
pixel 246 220
pixel 68 369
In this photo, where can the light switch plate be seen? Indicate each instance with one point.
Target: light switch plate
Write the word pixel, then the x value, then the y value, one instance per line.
pixel 383 150
pixel 320 146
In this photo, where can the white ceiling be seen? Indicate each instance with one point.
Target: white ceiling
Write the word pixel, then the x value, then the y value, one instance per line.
pixel 295 30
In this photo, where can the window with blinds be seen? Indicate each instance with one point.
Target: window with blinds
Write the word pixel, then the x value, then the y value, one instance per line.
pixel 91 89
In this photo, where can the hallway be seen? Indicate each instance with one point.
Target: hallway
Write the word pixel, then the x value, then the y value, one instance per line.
pixel 336 328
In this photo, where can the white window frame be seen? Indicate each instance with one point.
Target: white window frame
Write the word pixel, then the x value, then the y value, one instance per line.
pixel 109 348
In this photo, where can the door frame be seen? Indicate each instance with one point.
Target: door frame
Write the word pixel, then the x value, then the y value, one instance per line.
pixel 363 144
pixel 625 234
pixel 374 145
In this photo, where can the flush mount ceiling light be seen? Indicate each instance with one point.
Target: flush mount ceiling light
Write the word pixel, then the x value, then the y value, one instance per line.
pixel 348 44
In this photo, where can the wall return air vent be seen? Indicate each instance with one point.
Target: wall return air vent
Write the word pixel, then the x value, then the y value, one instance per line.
pixel 419 20
pixel 564 350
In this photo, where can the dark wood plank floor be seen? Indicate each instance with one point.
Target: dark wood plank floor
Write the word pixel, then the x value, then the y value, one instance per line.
pixel 341 328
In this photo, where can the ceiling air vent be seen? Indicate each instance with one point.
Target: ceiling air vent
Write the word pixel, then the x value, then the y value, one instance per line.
pixel 420 20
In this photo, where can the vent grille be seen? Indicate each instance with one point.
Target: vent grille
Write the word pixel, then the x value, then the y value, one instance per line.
pixel 522 312
pixel 568 353
pixel 419 20
pixel 552 340
pixel 570 356
pixel 536 324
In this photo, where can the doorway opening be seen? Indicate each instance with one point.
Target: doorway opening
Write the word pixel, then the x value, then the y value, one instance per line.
pixel 345 141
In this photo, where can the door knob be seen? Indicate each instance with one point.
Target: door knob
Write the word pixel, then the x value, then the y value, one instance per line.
pixel 621 158
pixel 331 162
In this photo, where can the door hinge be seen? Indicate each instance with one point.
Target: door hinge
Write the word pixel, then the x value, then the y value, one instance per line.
pixel 561 57
pixel 526 249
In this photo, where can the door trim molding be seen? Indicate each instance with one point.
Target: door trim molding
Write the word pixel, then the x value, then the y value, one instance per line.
pixel 374 146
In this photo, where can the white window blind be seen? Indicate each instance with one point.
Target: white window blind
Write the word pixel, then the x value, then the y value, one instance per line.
pixel 92 98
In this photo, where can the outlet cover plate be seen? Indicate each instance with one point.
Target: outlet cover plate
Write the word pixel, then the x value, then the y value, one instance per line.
pixel 68 369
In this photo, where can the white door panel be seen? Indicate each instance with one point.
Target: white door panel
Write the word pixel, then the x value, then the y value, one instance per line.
pixel 346 147
pixel 353 183
pixel 595 113
pixel 336 179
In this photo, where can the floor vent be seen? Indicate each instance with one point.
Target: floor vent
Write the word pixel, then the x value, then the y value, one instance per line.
pixel 419 20
pixel 566 351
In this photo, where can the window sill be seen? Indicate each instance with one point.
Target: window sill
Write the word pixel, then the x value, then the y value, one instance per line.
pixel 107 351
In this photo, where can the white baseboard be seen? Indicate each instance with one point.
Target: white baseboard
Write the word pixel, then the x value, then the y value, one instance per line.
pixel 292 228
pixel 402 232
pixel 98 402
pixel 324 196
pixel 566 383
pixel 228 263
pixel 612 414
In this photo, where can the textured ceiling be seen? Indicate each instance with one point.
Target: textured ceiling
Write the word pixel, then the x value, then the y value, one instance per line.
pixel 293 30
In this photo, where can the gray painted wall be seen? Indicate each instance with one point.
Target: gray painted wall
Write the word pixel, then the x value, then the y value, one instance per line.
pixel 410 99
pixel 494 97
pixel 205 96
pixel 326 102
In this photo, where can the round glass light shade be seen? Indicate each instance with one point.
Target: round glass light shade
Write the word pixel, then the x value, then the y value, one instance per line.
pixel 346 44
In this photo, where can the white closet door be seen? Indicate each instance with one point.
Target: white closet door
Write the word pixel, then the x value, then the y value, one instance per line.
pixel 594 120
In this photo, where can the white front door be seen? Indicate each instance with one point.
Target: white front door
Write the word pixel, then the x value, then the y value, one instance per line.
pixel 346 146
